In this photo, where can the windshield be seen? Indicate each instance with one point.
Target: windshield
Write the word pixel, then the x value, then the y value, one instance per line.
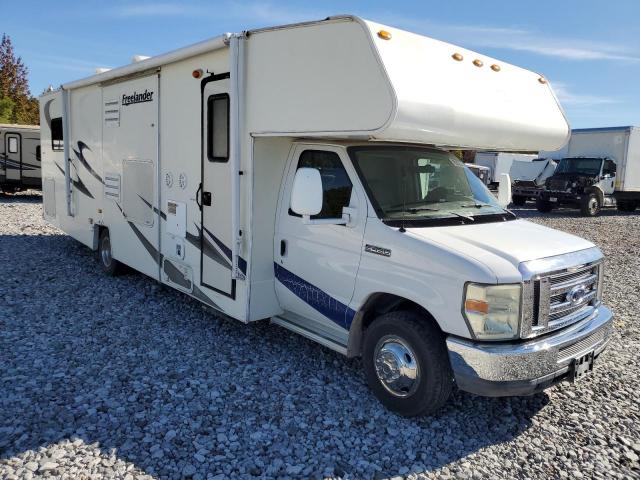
pixel 580 166
pixel 414 183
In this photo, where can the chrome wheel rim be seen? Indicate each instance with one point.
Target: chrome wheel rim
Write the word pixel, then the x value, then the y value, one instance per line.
pixel 396 366
pixel 105 252
pixel 593 205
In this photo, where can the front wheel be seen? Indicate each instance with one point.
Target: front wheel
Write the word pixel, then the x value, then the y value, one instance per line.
pixel 590 206
pixel 544 206
pixel 110 265
pixel 406 364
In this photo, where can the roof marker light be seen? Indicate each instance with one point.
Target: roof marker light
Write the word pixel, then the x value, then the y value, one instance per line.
pixel 458 57
pixel 197 73
pixel 384 35
pixel 495 67
pixel 478 63
pixel 542 80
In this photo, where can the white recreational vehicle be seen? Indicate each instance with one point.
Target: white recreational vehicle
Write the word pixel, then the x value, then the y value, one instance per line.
pixel 295 174
pixel 19 157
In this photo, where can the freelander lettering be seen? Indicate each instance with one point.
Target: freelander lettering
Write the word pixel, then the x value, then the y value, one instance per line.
pixel 136 97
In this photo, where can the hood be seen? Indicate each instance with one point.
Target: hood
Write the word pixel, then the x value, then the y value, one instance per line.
pixel 515 242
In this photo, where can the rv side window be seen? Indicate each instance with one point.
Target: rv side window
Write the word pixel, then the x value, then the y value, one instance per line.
pixel 609 168
pixel 218 128
pixel 38 157
pixel 57 143
pixel 13 145
pixel 336 185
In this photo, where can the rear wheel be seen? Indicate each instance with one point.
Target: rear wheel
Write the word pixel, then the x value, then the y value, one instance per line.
pixel 110 265
pixel 406 364
pixel 519 200
pixel 544 206
pixel 590 206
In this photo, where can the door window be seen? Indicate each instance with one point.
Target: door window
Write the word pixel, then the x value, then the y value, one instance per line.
pixel 336 185
pixel 13 145
pixel 57 141
pixel 218 128
pixel 609 168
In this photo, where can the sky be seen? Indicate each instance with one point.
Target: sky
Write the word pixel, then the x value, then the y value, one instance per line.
pixel 588 49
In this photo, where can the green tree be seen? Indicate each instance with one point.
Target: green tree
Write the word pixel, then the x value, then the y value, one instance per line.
pixel 17 105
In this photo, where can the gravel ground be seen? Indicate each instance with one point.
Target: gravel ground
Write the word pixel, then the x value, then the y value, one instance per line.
pixel 122 378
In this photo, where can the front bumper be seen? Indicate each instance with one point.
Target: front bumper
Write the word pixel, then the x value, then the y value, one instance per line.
pixel 561 197
pixel 525 368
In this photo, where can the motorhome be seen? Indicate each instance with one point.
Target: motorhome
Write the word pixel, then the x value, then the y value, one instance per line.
pixel 598 167
pixel 499 163
pixel 19 157
pixel 301 174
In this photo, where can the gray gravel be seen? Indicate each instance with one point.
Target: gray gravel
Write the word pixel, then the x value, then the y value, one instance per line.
pixel 121 378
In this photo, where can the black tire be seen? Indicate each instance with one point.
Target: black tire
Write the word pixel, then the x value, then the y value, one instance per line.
pixel 544 206
pixel 519 200
pixel 590 205
pixel 426 350
pixel 110 265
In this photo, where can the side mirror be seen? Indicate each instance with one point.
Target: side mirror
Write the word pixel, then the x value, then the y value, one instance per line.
pixel 504 190
pixel 306 195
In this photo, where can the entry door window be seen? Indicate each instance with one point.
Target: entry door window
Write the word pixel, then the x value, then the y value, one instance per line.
pixel 13 145
pixel 336 185
pixel 218 128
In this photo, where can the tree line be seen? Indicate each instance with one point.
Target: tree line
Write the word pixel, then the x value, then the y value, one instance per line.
pixel 17 105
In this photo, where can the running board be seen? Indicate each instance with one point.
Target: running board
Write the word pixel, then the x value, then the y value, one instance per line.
pixel 316 337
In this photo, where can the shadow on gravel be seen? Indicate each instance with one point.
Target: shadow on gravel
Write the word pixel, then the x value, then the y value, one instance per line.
pixel 149 372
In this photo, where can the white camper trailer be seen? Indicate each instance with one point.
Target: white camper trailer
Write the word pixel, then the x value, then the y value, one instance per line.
pixel 598 167
pixel 295 174
pixel 19 157
pixel 500 163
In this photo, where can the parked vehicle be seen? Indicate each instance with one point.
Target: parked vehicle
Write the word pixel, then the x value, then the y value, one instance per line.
pixel 19 157
pixel 305 188
pixel 599 167
pixel 528 178
pixel 483 173
pixel 500 162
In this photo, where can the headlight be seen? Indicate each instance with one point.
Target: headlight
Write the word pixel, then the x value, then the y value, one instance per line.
pixel 493 311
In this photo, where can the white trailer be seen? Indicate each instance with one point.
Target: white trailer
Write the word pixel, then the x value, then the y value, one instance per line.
pixel 500 163
pixel 598 167
pixel 19 157
pixel 299 174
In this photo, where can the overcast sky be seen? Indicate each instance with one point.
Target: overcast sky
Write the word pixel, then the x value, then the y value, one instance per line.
pixel 590 50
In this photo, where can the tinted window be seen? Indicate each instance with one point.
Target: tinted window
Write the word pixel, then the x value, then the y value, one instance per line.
pixel 218 128
pixel 609 167
pixel 13 145
pixel 336 185
pixel 57 142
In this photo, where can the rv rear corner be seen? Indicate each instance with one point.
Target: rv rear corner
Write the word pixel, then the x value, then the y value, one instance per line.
pixel 273 186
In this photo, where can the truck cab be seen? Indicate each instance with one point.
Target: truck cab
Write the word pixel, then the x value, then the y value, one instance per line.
pixel 584 182
pixel 398 253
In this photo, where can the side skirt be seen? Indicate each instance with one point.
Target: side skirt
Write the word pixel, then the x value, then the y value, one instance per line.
pixel 289 322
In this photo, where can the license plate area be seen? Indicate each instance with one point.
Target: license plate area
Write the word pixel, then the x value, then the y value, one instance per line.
pixel 582 366
pixel 553 199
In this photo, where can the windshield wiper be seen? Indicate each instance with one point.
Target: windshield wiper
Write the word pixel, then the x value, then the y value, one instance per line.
pixel 413 210
pixel 476 205
pixel 467 217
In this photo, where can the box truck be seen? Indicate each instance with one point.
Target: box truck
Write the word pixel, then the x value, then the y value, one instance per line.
pixel 300 174
pixel 599 167
pixel 500 163
pixel 19 157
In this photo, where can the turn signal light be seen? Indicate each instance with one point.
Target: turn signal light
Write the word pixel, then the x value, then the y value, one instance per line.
pixel 384 35
pixel 476 306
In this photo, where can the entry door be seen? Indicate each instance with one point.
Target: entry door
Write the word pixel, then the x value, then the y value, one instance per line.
pixel 216 186
pixel 13 161
pixel 316 265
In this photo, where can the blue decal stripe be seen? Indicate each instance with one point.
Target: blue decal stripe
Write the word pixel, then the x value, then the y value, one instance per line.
pixel 316 298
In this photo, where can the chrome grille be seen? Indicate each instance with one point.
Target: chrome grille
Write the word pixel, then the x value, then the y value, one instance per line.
pixel 560 298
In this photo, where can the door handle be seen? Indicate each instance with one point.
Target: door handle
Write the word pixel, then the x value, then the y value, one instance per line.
pixel 283 248
pixel 198 196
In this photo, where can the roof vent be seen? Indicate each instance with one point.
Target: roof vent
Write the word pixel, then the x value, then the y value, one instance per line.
pixel 102 70
pixel 138 58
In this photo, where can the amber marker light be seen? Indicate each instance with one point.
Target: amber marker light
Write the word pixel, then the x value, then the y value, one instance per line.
pixel 476 306
pixel 457 57
pixel 495 68
pixel 542 80
pixel 478 63
pixel 197 73
pixel 384 35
